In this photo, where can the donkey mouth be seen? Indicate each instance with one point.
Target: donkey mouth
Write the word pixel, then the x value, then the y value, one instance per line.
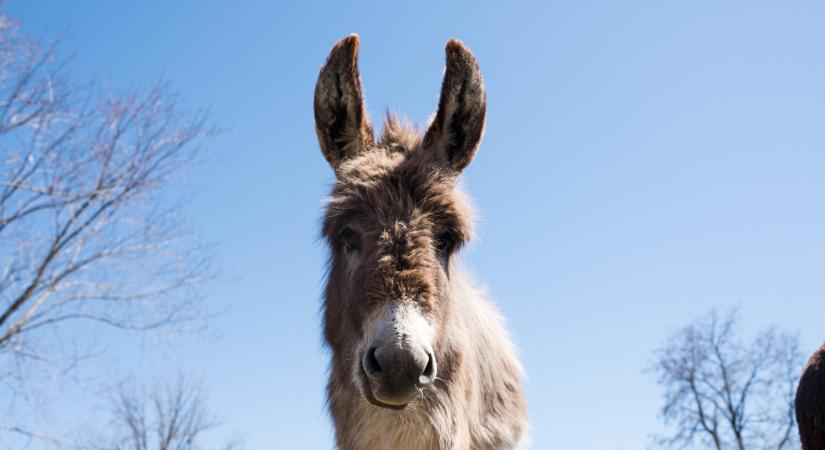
pixel 369 394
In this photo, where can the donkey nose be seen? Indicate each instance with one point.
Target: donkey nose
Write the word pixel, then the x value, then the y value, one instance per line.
pixel 399 368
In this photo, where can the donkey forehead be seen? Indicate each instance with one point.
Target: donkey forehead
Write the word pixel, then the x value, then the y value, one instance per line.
pixel 387 185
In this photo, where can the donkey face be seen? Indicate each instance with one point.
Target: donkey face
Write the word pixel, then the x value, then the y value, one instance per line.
pixel 393 223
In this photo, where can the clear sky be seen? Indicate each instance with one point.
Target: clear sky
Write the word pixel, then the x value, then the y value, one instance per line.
pixel 643 162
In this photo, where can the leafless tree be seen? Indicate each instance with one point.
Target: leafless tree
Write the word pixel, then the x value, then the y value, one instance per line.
pixel 723 392
pixel 165 417
pixel 90 229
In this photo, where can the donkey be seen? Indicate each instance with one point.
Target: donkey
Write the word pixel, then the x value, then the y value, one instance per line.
pixel 419 359
pixel 810 403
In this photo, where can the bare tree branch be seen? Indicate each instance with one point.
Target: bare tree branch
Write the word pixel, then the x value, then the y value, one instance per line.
pixel 90 225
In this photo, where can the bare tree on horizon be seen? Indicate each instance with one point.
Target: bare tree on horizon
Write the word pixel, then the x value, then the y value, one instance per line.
pixel 163 416
pixel 723 392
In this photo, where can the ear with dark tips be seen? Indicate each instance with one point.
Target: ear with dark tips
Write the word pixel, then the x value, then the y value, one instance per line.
pixel 459 123
pixel 340 116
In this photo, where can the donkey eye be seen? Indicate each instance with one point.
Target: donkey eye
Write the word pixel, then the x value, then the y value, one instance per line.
pixel 445 243
pixel 350 241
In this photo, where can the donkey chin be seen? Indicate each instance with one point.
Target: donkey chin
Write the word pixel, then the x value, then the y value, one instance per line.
pixel 396 361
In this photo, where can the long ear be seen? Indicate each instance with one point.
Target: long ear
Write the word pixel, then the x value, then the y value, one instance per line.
pixel 459 123
pixel 340 117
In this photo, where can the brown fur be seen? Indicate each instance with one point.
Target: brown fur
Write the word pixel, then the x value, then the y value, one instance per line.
pixel 399 198
pixel 810 403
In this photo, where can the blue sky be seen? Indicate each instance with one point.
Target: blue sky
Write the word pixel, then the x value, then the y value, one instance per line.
pixel 643 162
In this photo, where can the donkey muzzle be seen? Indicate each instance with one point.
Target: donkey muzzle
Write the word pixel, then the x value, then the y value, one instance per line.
pixel 396 373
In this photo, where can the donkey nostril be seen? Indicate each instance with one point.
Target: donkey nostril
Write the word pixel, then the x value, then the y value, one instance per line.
pixel 371 364
pixel 428 375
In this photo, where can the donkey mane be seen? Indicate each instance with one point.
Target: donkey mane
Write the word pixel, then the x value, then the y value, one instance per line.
pixel 398 133
pixel 420 359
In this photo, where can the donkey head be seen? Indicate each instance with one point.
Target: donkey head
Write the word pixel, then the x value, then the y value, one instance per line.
pixel 393 223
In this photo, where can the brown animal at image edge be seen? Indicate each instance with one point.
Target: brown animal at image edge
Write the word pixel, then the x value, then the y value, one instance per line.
pixel 810 403
pixel 420 360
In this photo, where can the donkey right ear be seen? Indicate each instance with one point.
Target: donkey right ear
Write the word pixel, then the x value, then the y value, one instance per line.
pixel 456 130
pixel 340 117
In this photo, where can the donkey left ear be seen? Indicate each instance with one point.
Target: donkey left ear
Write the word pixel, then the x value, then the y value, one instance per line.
pixel 340 116
pixel 459 123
